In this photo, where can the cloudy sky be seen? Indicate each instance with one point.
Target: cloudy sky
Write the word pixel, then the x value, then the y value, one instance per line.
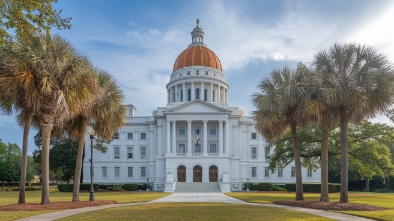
pixel 138 41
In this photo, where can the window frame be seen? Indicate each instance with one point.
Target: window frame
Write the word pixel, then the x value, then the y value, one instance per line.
pixel 253 155
pixel 210 129
pixel 143 172
pixel 116 136
pixel 117 152
pixel 104 173
pixel 292 172
pixel 266 172
pixel 254 172
pixel 117 172
pixel 255 136
pixel 179 130
pixel 280 171
pixel 130 152
pixel 142 134
pixel 132 136
pixel 129 171
pixel 141 152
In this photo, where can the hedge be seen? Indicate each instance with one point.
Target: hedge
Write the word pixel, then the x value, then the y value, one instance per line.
pixel 313 187
pixel 114 188
pixel 82 187
pixel 130 186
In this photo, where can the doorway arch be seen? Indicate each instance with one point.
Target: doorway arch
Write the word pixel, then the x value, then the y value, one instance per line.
pixel 197 174
pixel 181 174
pixel 213 174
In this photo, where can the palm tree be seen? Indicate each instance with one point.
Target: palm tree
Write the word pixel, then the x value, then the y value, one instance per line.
pixel 57 73
pixel 279 106
pixel 106 114
pixel 326 117
pixel 359 84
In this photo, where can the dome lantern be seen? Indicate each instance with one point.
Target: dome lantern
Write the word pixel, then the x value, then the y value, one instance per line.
pixel 197 36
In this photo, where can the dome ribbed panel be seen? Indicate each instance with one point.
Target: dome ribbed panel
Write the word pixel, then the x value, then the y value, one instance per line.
pixel 197 56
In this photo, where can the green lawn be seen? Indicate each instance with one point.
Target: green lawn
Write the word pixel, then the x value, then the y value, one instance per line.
pixel 194 211
pixel 11 197
pixel 376 199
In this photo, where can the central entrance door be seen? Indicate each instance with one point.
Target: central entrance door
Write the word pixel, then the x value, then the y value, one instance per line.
pixel 197 174
pixel 181 174
pixel 213 174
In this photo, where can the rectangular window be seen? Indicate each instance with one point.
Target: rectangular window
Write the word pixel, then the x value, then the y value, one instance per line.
pixel 267 172
pixel 104 171
pixel 309 172
pixel 143 152
pixel 254 136
pixel 254 152
pixel 117 171
pixel 116 136
pixel 182 148
pixel 213 96
pixel 197 148
pixel 181 95
pixel 181 130
pixel 205 94
pixel 206 72
pixel 293 172
pixel 143 171
pixel 212 130
pixel 212 148
pixel 130 152
pixel 116 152
pixel 130 171
pixel 254 171
pixel 280 172
pixel 143 136
pixel 267 151
pixel 173 97
pixel 197 72
pixel 189 94
pixel 197 93
pixel 188 72
pixel 130 136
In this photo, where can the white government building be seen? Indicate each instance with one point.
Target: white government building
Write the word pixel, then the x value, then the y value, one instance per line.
pixel 197 137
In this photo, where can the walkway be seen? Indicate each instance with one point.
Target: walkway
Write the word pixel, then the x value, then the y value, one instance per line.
pixel 193 197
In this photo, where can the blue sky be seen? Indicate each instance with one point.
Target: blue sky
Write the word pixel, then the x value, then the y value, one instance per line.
pixel 138 41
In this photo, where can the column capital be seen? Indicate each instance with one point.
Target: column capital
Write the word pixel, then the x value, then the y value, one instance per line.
pixel 189 121
pixel 205 121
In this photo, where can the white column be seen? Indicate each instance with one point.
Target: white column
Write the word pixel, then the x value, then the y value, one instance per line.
pixel 174 137
pixel 176 93
pixel 168 96
pixel 219 94
pixel 184 92
pixel 202 90
pixel 227 138
pixel 210 93
pixel 226 96
pixel 168 137
pixel 172 95
pixel 220 137
pixel 189 137
pixel 205 138
pixel 193 97
pixel 159 139
pixel 151 150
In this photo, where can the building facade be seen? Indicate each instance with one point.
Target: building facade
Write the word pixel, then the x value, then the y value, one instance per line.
pixel 197 137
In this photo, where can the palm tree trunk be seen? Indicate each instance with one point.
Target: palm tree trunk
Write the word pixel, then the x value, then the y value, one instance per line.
pixel 78 164
pixel 25 147
pixel 46 136
pixel 297 160
pixel 344 157
pixel 324 167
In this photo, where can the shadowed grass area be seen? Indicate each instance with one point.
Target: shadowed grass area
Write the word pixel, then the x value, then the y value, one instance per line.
pixel 375 199
pixel 194 211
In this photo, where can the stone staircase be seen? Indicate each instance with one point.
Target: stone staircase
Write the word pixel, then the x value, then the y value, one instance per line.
pixel 197 187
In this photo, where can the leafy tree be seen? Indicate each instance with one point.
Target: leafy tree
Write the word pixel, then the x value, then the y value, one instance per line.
pixel 9 160
pixel 62 156
pixel 370 150
pixel 279 106
pixel 61 84
pixel 25 17
pixel 360 84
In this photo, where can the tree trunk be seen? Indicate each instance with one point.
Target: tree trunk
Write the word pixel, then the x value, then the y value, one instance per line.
pixel 25 147
pixel 344 198
pixel 367 185
pixel 46 136
pixel 324 167
pixel 297 161
pixel 78 164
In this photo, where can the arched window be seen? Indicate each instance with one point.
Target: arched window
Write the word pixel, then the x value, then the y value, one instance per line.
pixel 197 93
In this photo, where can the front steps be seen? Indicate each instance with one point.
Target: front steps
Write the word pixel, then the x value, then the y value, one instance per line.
pixel 197 187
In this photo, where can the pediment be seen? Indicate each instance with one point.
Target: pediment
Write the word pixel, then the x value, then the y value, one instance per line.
pixel 197 106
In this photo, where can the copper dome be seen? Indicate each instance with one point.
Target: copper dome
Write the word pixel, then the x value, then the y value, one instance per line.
pixel 197 56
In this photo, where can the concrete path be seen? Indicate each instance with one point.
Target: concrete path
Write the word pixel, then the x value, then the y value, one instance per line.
pixel 193 197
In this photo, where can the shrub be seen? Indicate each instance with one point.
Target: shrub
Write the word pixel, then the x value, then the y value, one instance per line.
pixel 103 187
pixel 114 188
pixel 313 187
pixel 31 189
pixel 278 188
pixel 130 186
pixel 264 186
pixel 83 186
pixel 86 187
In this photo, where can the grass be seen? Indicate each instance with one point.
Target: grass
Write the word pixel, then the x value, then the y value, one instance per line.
pixel 194 211
pixel 376 199
pixel 11 197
